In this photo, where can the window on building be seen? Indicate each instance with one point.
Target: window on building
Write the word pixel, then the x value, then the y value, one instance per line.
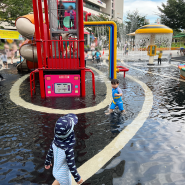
pixel 91 6
pixel 112 5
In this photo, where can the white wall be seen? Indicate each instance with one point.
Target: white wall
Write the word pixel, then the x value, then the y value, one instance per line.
pixel 118 9
pixel 108 7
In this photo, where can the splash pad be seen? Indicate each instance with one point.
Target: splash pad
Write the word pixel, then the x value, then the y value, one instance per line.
pixel 153 35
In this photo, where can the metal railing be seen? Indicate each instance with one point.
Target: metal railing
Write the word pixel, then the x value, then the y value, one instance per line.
pixel 60 54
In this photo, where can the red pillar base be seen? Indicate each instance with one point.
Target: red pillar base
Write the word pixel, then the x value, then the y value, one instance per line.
pixel 82 82
pixel 42 88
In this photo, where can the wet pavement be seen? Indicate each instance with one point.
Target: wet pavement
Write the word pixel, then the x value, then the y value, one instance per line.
pixel 154 156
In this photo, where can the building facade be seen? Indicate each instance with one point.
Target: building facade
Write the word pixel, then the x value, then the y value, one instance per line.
pixel 112 8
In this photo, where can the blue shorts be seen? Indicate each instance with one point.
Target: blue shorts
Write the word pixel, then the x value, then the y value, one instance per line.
pixel 119 104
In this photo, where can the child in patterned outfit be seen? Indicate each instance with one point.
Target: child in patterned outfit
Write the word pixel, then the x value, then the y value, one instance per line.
pixel 62 150
pixel 116 95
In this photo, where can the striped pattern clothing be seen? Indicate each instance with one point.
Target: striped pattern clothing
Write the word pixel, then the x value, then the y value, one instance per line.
pixel 64 163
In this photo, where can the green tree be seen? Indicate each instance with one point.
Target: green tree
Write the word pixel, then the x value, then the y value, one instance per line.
pixel 176 32
pixel 12 9
pixel 134 21
pixel 173 14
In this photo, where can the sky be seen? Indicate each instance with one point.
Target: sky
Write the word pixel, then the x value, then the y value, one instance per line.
pixel 145 7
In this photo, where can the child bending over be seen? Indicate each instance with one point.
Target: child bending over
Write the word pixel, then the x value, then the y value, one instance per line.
pixel 62 150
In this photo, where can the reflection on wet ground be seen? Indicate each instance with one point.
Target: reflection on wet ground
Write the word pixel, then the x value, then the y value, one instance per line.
pixel 155 155
pixel 67 102
pixel 26 135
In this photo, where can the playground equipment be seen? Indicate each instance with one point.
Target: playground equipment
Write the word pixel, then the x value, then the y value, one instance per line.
pixel 155 34
pixel 122 69
pixel 56 54
pixel 25 25
pixel 62 85
pixel 182 70
pixel 151 50
pixel 113 68
pixel 48 46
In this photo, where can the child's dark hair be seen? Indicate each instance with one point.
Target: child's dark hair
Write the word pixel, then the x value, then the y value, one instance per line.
pixel 114 81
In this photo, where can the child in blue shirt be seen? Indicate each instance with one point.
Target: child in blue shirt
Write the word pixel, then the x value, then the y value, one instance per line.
pixel 98 55
pixel 116 95
pixel 62 150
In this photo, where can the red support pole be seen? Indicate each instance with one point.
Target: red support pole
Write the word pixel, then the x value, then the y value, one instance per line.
pixel 93 80
pixel 46 18
pixel 39 55
pixel 86 15
pixel 47 24
pixel 81 45
pixel 42 32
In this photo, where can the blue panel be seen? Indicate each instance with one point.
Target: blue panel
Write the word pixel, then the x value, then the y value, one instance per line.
pixel 112 51
pixel 67 4
pixel 76 86
pixel 110 54
pixel 49 87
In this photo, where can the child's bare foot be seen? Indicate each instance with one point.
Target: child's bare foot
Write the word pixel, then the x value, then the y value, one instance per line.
pixel 110 111
pixel 123 112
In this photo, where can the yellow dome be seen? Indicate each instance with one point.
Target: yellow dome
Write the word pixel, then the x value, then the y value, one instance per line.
pixel 154 28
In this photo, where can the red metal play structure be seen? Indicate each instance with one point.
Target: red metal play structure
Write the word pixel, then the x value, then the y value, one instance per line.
pixel 55 46
pixel 56 55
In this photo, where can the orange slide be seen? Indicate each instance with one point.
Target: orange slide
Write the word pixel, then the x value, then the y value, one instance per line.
pixel 25 26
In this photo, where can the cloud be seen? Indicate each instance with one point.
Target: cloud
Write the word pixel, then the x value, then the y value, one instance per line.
pixel 145 7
